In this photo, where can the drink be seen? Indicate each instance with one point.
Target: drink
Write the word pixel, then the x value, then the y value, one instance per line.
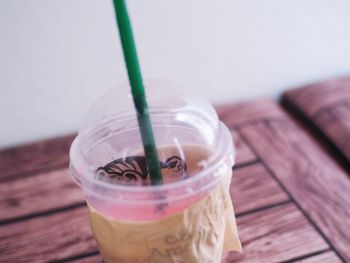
pixel 188 219
pixel 168 234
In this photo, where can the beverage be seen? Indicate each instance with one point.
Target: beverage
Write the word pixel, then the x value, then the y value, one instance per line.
pixel 169 233
pixel 190 217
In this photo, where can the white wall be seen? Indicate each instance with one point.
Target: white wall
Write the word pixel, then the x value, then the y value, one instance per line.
pixel 57 56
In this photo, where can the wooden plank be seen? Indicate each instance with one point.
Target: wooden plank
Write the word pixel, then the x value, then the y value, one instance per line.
pixel 89 259
pixel 274 235
pixel 37 194
pixel 341 112
pixel 52 154
pixel 327 257
pixel 313 98
pixel 48 191
pixel 314 180
pixel 327 106
pixel 42 239
pixel 338 130
pixel 240 113
pixel 253 188
pixel 32 158
pixel 20 198
pixel 21 161
pixel 42 233
pixel 243 153
pixel 334 124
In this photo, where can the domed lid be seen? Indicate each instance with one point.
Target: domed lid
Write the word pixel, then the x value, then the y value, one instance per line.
pixel 162 97
pixel 186 129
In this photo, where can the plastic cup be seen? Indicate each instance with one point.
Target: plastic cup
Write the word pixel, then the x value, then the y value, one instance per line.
pixel 190 217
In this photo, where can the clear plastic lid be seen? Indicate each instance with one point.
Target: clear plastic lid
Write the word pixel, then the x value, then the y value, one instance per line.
pixel 189 137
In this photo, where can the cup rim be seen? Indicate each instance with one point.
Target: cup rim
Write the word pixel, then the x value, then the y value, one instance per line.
pixel 83 173
pixel 225 144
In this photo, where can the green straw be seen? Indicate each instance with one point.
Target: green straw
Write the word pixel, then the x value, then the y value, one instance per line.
pixel 138 91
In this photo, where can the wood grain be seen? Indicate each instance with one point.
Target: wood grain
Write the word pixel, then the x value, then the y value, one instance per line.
pixel 327 106
pixel 252 188
pixel 335 124
pixel 244 154
pixel 36 157
pixel 44 156
pixel 272 227
pixel 89 259
pixel 320 96
pixel 36 194
pixel 327 257
pixel 240 114
pixel 314 180
pixel 49 191
pixel 274 235
pixel 42 239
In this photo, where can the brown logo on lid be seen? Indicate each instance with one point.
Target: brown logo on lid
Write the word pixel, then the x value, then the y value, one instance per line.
pixel 134 170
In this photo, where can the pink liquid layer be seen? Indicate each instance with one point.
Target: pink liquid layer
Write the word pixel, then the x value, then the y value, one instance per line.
pixel 194 156
pixel 142 212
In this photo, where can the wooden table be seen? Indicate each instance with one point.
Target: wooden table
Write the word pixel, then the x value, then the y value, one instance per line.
pixel 291 196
